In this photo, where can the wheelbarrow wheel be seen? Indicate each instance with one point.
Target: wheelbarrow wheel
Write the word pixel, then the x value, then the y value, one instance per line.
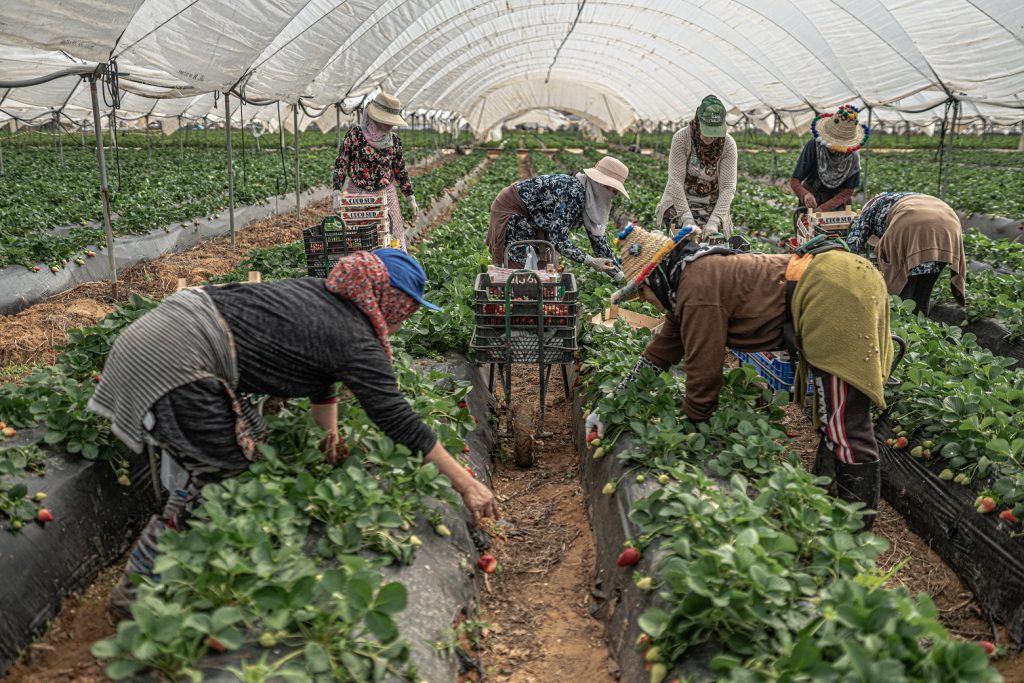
pixel 521 419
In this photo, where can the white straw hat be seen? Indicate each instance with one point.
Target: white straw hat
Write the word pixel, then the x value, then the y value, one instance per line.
pixel 841 131
pixel 611 172
pixel 386 109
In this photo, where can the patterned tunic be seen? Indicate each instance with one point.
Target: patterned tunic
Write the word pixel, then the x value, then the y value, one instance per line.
pixel 874 221
pixel 368 168
pixel 555 203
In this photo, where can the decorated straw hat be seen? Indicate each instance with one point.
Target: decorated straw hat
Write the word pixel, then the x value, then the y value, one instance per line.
pixel 840 130
pixel 611 172
pixel 640 253
pixel 386 109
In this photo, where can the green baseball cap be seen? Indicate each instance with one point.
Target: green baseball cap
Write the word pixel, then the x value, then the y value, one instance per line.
pixel 711 117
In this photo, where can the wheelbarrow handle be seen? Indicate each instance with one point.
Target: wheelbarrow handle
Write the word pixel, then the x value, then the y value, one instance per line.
pixel 901 351
pixel 541 243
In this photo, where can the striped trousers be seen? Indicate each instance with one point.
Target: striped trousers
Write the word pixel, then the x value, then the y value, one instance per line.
pixel 845 417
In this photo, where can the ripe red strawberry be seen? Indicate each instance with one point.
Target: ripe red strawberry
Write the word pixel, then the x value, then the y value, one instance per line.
pixel 215 644
pixel 1007 516
pixel 465 449
pixel 591 436
pixel 487 564
pixel 628 557
pixel 988 647
pixel 96 378
pixel 44 515
pixel 470 472
pixel 792 435
pixel 463 404
pixel 901 442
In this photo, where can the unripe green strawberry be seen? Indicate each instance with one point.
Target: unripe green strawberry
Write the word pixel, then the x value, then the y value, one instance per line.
pixel 415 541
pixel 40 496
pixel 599 453
pixel 663 479
pixel 640 478
pixel 268 639
pixel 658 673
pixel 443 530
pixel 917 451
pixel 609 488
pixel 653 655
pixel 946 475
pixel 645 583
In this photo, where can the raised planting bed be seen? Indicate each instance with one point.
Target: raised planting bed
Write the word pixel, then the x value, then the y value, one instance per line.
pixel 990 333
pixel 303 571
pixel 986 551
pixel 95 519
pixel 743 560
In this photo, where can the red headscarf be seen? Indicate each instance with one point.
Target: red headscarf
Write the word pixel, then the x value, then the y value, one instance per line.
pixel 362 278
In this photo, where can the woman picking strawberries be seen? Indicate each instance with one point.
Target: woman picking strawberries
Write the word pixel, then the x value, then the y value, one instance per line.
pixel 177 377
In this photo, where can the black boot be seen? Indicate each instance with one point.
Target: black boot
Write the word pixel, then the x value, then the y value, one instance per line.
pixel 824 465
pixel 860 482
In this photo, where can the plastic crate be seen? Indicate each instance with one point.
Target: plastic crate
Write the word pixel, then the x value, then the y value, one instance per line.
pixel 775 367
pixel 520 342
pixel 326 243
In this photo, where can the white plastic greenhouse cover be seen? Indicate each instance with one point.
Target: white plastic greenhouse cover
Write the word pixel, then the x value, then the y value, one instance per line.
pixel 613 62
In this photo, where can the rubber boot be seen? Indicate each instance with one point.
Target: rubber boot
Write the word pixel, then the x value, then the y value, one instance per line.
pixel 824 465
pixel 860 482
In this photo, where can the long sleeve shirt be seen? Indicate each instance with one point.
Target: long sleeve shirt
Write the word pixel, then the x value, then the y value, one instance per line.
pixel 873 222
pixel 723 301
pixel 675 193
pixel 293 338
pixel 556 204
pixel 368 168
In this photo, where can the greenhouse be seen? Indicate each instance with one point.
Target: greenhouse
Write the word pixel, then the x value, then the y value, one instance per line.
pixel 511 341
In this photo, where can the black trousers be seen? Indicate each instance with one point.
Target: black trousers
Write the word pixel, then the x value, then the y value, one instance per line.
pixel 919 290
pixel 845 417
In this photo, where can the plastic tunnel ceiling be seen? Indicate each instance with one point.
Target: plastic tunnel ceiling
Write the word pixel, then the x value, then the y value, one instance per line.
pixel 616 63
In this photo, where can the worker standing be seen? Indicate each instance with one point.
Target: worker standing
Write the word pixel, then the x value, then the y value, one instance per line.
pixel 701 173
pixel 177 378
pixel 549 207
pixel 828 170
pixel 917 237
pixel 714 298
pixel 371 161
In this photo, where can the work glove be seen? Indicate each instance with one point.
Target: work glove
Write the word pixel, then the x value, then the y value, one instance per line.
pixel 594 419
pixel 336 200
pixel 594 424
pixel 415 208
pixel 601 265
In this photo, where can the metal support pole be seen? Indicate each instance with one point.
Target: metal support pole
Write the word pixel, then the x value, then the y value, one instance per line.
pixel 245 161
pixel 1 160
pixel 181 143
pixel 231 171
pixel 337 129
pixel 295 137
pixel 864 178
pixel 771 141
pixel 206 134
pixel 149 143
pixel 104 190
pixel 60 137
pixel 280 132
pixel 947 157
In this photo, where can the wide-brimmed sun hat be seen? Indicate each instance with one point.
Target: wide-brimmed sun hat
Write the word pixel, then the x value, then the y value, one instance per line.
pixel 386 109
pixel 611 172
pixel 841 130
pixel 640 252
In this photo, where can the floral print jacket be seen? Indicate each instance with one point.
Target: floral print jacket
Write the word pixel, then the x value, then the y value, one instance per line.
pixel 555 203
pixel 371 169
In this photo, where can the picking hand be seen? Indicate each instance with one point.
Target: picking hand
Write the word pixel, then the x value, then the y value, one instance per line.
pixel 480 500
pixel 601 265
pixel 336 200
pixel 594 424
pixel 414 207
pixel 333 448
pixel 810 202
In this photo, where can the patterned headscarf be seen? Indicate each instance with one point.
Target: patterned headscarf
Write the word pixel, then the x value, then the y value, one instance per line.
pixel 708 154
pixel 362 279
pixel 378 135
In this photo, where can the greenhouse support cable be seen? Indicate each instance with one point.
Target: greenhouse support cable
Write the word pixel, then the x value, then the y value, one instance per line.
pixel 152 31
pixel 579 11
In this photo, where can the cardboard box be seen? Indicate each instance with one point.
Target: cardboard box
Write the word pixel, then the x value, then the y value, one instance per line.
pixel 635 320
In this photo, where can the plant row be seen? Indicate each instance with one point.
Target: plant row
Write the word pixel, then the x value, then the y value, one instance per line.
pixel 286 555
